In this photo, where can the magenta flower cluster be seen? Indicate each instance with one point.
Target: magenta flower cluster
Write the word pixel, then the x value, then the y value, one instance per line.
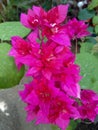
pixel 54 95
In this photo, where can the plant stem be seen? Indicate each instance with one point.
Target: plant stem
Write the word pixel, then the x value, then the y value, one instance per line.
pixel 76 46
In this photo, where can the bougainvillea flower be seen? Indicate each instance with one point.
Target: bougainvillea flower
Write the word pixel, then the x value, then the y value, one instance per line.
pixel 57 35
pixel 61 38
pixel 38 94
pixel 50 26
pixel 37 15
pixel 61 110
pixel 48 104
pixel 88 95
pixel 58 14
pixel 89 105
pixel 53 96
pixel 22 48
pixel 47 61
pixel 32 107
pixel 55 62
pixel 28 96
pixel 76 29
pixel 88 111
pixel 45 64
pixel 27 90
pixel 45 90
pixel 68 79
pixel 33 18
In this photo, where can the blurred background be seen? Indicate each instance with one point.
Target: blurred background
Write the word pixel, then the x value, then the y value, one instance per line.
pixel 10 9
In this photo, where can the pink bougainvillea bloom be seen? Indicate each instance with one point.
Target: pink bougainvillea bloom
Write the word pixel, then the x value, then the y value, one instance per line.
pixel 45 90
pixel 38 96
pixel 58 14
pixel 55 62
pixel 68 79
pixel 22 48
pixel 57 35
pixel 88 111
pixel 88 95
pixel 51 96
pixel 89 105
pixel 48 104
pixel 29 96
pixel 32 107
pixel 61 110
pixel 76 29
pixel 61 38
pixel 37 16
pixel 48 61
pixel 50 27
pixel 33 19
pixel 27 90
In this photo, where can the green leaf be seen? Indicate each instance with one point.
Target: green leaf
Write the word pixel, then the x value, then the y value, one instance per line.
pixel 64 1
pixel 95 20
pixel 72 125
pixel 54 127
pixel 95 49
pixel 93 4
pixel 69 128
pixel 95 88
pixel 91 29
pixel 89 70
pixel 9 75
pixel 86 47
pixel 91 40
pixel 47 4
pixel 96 29
pixel 9 29
pixel 85 14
